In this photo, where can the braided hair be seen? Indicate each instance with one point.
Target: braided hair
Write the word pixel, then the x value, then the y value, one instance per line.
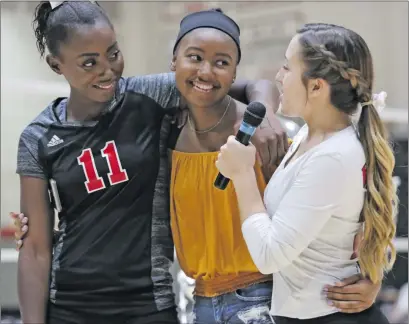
pixel 53 26
pixel 342 58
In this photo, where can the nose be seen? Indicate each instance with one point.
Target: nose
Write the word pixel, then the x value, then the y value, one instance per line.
pixel 279 79
pixel 106 71
pixel 279 76
pixel 205 70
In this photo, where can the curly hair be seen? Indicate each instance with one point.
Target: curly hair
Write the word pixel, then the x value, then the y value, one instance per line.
pixel 52 26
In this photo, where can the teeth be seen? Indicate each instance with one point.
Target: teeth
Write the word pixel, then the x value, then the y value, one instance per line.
pixel 105 87
pixel 203 87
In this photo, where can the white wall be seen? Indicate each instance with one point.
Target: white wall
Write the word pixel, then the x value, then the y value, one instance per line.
pixel 384 26
pixel 23 95
pixel 28 85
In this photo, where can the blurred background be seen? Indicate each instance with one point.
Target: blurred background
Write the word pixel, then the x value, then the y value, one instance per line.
pixel 146 33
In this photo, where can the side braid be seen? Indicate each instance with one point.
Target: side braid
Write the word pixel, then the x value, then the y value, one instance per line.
pixel 342 67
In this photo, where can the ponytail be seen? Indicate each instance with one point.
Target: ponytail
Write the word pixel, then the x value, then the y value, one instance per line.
pixel 41 15
pixel 53 26
pixel 380 199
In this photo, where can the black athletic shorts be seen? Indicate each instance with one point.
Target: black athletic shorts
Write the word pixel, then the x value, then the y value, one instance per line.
pixel 372 315
pixel 61 315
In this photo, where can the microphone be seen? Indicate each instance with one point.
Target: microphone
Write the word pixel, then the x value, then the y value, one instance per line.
pixel 253 116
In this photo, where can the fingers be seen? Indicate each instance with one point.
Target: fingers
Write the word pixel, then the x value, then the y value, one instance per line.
pixel 344 297
pixel 349 281
pixel 262 149
pixel 272 146
pixel 280 149
pixel 341 304
pixel 232 140
pixel 353 310
pixel 349 306
pixel 20 222
pixel 282 145
pixel 17 216
pixel 352 289
pixel 19 244
pixel 287 142
pixel 20 234
pixel 353 306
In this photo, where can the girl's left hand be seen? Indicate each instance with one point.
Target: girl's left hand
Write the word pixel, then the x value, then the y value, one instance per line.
pixel 235 158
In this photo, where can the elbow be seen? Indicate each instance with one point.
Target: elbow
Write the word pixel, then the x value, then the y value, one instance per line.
pixel 265 267
pixel 265 270
pixel 271 259
pixel 263 260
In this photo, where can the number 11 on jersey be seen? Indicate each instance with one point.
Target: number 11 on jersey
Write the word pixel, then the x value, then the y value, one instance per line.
pixel 116 175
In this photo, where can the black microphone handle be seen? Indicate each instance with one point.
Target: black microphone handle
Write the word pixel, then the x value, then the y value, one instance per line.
pixel 221 181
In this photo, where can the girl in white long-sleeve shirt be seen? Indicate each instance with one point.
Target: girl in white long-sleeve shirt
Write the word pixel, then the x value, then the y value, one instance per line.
pixel 334 176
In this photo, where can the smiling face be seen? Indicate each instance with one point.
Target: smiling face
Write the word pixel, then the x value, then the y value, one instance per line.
pixel 91 62
pixel 205 64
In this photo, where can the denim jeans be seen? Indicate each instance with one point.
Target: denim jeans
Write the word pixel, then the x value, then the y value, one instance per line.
pixel 250 305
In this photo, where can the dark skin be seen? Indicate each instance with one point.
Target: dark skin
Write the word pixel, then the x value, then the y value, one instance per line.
pixel 207 58
pixel 92 64
pixel 215 66
pixel 34 261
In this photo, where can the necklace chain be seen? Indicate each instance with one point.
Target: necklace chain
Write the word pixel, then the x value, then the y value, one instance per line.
pixel 214 126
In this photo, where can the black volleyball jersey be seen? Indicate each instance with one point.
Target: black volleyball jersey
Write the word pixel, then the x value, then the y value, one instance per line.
pixel 115 247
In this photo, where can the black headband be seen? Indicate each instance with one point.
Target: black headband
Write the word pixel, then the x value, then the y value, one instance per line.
pixel 209 19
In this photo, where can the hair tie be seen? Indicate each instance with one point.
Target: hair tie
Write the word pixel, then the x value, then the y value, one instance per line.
pixel 378 101
pixel 56 4
pixel 363 104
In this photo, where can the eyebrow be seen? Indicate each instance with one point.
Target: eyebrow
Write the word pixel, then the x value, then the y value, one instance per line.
pixel 200 50
pixel 194 48
pixel 225 55
pixel 97 54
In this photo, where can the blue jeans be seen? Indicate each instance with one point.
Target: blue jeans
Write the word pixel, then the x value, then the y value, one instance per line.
pixel 250 305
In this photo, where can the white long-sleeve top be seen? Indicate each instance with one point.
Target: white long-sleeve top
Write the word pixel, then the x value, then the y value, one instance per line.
pixel 306 237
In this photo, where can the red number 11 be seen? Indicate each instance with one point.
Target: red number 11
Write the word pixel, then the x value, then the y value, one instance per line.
pixel 116 175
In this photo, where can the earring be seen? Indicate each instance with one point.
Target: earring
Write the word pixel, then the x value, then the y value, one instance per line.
pixel 234 79
pixel 172 66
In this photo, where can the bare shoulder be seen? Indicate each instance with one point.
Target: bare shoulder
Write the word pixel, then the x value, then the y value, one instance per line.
pixel 240 108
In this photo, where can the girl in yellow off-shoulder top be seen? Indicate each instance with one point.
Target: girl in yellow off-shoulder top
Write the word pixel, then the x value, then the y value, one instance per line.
pixel 205 221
